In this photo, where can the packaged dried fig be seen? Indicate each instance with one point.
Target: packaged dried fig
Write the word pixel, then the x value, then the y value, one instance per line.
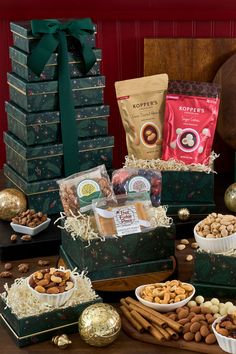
pixel 141 105
pixel 78 190
pixel 190 119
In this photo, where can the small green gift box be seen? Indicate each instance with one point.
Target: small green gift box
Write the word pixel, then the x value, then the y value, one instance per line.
pixel 44 127
pixel 50 72
pixel 43 95
pixel 120 251
pixel 34 329
pixel 43 193
pixel 24 40
pixel 40 162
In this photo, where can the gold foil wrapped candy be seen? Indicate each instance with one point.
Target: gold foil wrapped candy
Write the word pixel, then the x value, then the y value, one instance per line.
pixel 99 324
pixel 62 341
pixel 183 214
pixel 12 203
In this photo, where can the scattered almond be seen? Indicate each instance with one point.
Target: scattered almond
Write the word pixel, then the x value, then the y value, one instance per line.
pixel 189 258
pixel 194 245
pixel 180 247
pixel 7 266
pixel 184 241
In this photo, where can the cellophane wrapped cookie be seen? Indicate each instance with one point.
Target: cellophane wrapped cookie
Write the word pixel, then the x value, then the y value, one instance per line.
pixel 78 190
pixel 136 180
pixel 191 114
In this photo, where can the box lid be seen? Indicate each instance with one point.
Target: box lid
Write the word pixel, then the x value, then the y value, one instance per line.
pixel 34 88
pixel 46 117
pixel 43 150
pixel 22 57
pixel 23 28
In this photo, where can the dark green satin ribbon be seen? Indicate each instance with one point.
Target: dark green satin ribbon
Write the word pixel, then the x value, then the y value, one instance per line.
pixel 53 34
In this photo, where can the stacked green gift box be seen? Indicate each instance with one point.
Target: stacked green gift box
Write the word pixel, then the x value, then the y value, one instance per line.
pixel 34 148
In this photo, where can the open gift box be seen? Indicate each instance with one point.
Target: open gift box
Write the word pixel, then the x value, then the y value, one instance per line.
pixel 36 328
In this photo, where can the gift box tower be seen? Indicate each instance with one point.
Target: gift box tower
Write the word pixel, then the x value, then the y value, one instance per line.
pixel 39 148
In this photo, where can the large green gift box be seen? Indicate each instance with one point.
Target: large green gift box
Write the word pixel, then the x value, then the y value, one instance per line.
pixel 44 161
pixel 43 95
pixel 44 127
pixel 34 329
pixel 24 40
pixel 50 72
pixel 120 251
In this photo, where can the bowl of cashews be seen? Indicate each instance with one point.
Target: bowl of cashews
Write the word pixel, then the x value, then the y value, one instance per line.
pixel 165 297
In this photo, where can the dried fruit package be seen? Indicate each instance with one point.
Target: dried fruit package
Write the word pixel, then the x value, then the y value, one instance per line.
pixel 123 215
pixel 141 104
pixel 78 190
pixel 135 180
pixel 190 119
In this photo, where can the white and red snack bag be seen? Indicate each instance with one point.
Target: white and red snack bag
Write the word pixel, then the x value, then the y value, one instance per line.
pixel 191 114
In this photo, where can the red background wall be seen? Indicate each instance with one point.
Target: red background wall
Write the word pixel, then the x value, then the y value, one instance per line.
pixel 122 26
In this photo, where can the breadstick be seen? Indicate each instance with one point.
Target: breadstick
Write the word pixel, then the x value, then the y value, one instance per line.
pixel 145 324
pixel 148 316
pixel 129 317
pixel 165 334
pixel 174 325
pixel 156 333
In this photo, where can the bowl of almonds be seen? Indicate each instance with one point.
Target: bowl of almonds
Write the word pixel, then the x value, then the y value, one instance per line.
pixel 216 233
pixel 30 222
pixel 53 286
pixel 224 329
pixel 165 297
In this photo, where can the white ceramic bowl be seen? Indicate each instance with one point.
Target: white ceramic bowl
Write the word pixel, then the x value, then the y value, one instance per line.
pixel 162 307
pixel 30 230
pixel 227 344
pixel 215 245
pixel 55 300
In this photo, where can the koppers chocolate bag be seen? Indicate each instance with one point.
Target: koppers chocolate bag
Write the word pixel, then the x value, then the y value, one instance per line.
pixel 190 120
pixel 141 105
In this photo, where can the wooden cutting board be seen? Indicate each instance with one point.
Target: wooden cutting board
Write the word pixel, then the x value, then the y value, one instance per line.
pixel 226 124
pixel 187 58
pixel 180 344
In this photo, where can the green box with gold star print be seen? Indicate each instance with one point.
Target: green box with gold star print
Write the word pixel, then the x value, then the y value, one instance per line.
pixel 120 251
pixel 43 95
pixel 45 161
pixel 34 329
pixel 215 269
pixel 50 72
pixel 44 127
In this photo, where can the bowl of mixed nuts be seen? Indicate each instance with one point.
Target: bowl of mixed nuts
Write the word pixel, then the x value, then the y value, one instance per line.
pixel 30 222
pixel 216 233
pixel 224 329
pixel 165 297
pixel 53 286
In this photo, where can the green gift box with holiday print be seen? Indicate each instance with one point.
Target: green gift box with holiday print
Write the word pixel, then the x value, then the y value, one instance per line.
pixel 19 60
pixel 44 96
pixel 44 127
pixel 40 162
pixel 24 39
pixel 119 251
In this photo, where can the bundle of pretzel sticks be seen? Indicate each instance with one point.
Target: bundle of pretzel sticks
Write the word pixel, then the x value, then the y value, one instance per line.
pixel 144 318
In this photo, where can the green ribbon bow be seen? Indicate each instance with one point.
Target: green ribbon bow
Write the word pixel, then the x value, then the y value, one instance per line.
pixel 53 34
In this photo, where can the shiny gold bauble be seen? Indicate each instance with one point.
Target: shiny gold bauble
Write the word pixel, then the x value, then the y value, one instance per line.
pixel 183 214
pixel 230 197
pixel 99 324
pixel 12 203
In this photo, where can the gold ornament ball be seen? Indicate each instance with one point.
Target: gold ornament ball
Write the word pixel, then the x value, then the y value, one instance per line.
pixel 183 214
pixel 99 324
pixel 230 197
pixel 12 203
